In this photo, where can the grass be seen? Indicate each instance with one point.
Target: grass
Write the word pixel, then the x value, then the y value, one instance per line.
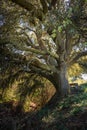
pixel 71 106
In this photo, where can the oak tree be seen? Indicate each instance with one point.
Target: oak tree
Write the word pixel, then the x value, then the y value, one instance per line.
pixel 49 35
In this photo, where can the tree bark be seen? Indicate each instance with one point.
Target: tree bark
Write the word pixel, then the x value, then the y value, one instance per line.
pixel 60 81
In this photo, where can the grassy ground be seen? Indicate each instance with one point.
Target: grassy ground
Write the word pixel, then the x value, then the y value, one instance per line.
pixel 70 113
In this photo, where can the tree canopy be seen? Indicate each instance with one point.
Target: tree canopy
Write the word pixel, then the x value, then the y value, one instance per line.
pixel 46 36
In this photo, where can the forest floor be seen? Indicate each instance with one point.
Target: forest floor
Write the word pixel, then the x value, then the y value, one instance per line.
pixel 70 113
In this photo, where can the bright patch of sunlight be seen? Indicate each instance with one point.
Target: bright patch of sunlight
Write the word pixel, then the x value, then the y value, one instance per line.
pixel 84 76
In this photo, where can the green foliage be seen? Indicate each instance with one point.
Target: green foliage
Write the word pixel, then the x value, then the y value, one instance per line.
pixel 69 106
pixel 76 110
pixel 53 35
pixel 60 28
pixel 84 87
pixel 61 126
pixel 67 22
pixel 75 70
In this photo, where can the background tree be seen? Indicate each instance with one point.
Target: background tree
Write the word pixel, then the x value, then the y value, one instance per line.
pixel 48 35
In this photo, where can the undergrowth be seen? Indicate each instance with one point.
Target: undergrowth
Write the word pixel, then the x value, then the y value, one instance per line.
pixel 71 106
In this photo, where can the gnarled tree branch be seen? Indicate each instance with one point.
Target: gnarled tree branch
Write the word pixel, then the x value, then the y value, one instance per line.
pixel 79 55
pixel 25 4
pixel 30 7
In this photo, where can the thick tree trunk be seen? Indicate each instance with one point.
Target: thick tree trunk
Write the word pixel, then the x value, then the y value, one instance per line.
pixel 60 81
